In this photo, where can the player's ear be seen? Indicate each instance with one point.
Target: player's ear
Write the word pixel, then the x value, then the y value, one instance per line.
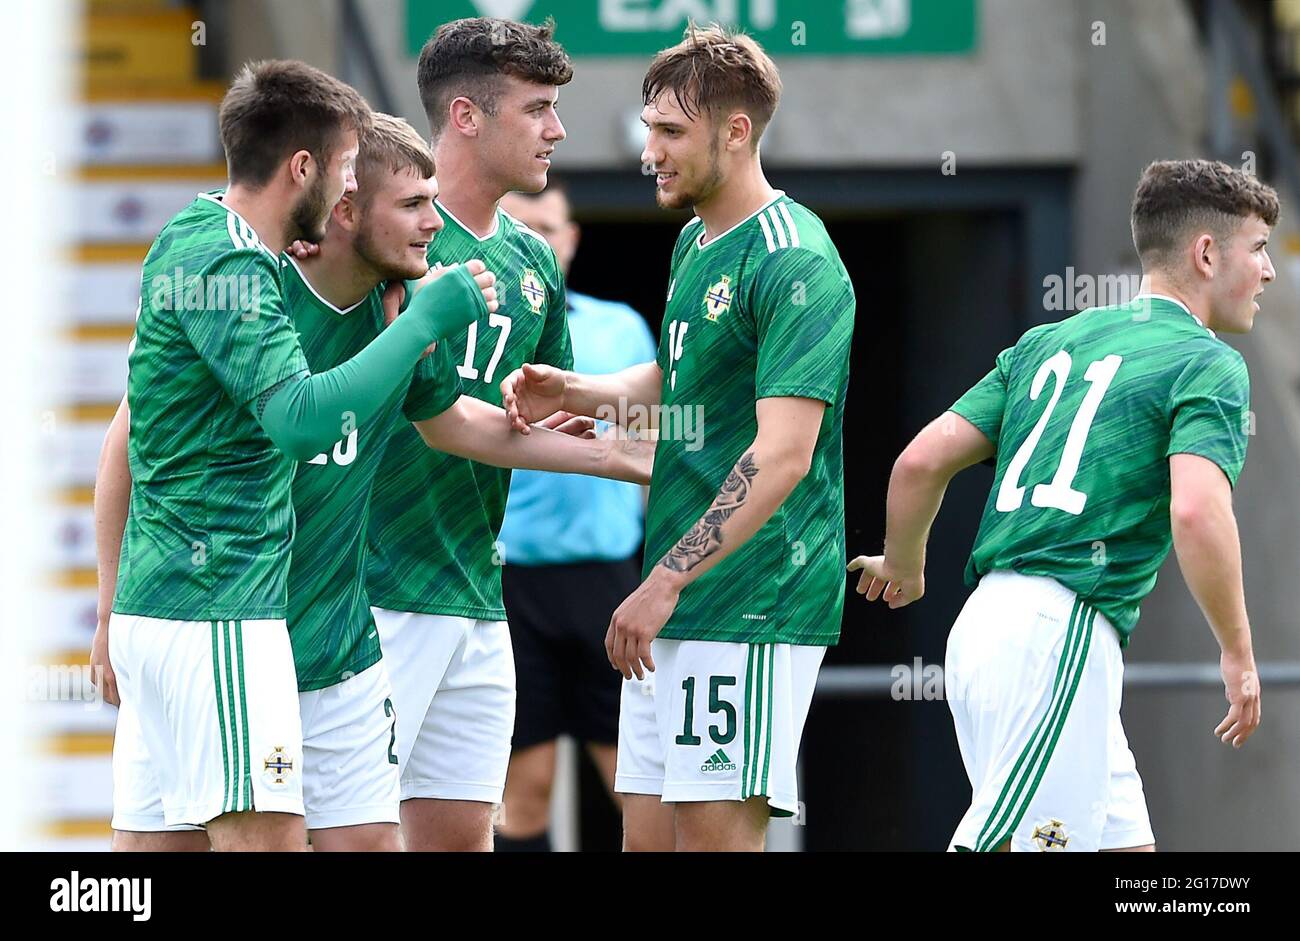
pixel 463 116
pixel 739 130
pixel 300 164
pixel 1205 255
pixel 347 213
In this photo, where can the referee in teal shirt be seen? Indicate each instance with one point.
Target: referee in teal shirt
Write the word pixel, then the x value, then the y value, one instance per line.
pixel 572 546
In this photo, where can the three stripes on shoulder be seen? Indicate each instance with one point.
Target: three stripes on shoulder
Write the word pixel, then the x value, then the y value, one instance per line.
pixel 527 231
pixel 778 227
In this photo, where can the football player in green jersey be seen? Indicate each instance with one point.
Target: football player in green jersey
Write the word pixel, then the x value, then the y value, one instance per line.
pixel 378 235
pixel 349 711
pixel 489 89
pixel 221 403
pixel 742 592
pixel 1116 433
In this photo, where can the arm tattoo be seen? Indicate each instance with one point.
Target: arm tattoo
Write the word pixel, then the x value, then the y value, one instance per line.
pixel 269 394
pixel 705 537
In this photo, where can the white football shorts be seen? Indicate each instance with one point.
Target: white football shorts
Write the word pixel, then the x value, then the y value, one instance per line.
pixel 209 722
pixel 1034 676
pixel 717 721
pixel 454 688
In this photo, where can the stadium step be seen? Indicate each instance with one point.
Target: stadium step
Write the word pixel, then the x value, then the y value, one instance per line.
pixel 145 49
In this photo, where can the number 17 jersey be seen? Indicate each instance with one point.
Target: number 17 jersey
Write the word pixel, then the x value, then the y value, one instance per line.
pixel 1085 414
pixel 435 517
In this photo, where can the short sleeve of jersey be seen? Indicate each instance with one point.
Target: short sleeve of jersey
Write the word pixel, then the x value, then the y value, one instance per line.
pixel 243 333
pixel 986 401
pixel 434 387
pixel 554 346
pixel 803 311
pixel 1209 406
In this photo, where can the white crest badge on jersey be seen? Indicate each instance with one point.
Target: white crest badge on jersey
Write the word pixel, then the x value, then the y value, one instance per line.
pixel 717 299
pixel 277 767
pixel 533 290
pixel 1051 836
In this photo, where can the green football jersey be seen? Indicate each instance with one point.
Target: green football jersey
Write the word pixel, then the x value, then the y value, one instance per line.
pixel 762 310
pixel 435 517
pixel 331 628
pixel 210 523
pixel 1085 414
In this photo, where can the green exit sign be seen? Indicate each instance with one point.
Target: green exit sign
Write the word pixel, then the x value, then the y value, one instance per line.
pixel 784 27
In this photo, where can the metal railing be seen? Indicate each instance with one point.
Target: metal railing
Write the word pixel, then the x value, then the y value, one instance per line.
pixel 869 682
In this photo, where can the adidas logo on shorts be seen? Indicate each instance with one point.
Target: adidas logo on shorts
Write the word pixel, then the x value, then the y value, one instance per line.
pixel 718 761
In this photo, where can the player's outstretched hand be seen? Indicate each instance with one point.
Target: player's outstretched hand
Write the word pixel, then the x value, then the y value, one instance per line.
pixel 567 423
pixel 637 622
pixel 101 671
pixel 531 393
pixel 880 578
pixel 1241 688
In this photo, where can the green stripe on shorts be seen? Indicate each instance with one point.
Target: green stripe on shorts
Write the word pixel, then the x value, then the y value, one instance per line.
pixel 767 759
pixel 1013 800
pixel 221 717
pixel 1064 710
pixel 749 686
pixel 246 791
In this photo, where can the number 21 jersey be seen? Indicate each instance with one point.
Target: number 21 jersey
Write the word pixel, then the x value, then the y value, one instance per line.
pixel 1085 414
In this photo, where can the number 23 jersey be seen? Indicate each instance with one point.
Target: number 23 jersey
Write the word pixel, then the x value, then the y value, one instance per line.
pixel 1085 414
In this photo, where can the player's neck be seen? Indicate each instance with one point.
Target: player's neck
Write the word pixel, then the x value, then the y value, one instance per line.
pixel 265 210
pixel 339 274
pixel 1156 282
pixel 744 192
pixel 466 192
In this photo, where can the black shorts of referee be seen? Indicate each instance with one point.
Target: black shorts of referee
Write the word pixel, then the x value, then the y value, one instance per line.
pixel 558 618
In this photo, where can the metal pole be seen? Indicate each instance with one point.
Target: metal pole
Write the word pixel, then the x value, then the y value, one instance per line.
pixel 877 681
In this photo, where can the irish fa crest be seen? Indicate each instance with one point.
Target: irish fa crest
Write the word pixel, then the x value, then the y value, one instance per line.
pixel 277 766
pixel 533 290
pixel 717 299
pixel 1051 836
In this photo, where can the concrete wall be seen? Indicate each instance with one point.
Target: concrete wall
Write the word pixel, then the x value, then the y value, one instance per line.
pixel 1011 102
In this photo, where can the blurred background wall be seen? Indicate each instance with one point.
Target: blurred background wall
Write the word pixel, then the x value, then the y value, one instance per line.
pixel 966 156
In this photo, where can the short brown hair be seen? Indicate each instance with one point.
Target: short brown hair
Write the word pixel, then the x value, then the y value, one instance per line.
pixel 716 70
pixel 468 57
pixel 390 144
pixel 278 107
pixel 1175 199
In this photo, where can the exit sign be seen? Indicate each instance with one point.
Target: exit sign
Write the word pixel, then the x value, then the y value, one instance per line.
pixel 784 27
